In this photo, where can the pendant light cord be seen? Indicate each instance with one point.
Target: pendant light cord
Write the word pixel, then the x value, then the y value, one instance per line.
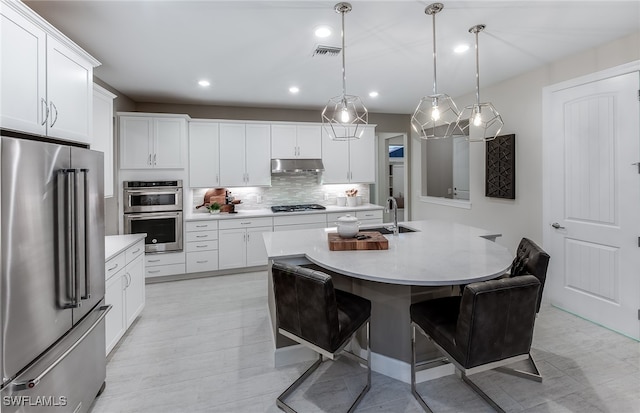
pixel 435 76
pixel 344 70
pixel 477 71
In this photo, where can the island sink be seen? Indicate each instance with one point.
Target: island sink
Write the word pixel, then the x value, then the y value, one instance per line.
pixel 387 229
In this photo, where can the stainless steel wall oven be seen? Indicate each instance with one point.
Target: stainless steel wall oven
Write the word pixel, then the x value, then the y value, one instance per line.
pixel 154 207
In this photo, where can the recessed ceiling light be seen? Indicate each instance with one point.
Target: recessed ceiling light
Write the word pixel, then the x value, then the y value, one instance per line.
pixel 373 94
pixel 204 83
pixel 294 89
pixel 322 31
pixel 461 48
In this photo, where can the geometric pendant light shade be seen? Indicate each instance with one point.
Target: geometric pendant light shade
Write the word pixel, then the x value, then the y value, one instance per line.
pixel 436 114
pixel 480 122
pixel 345 116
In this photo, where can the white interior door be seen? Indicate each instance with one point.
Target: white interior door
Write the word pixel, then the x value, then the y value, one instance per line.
pixel 593 210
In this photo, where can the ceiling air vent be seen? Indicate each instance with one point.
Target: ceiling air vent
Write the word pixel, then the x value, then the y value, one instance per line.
pixel 326 51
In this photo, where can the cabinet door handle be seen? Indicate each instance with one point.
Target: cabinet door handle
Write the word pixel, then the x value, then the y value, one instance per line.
pixel 202 236
pixel 217 179
pixel 202 246
pixel 202 262
pixel 53 106
pixel 154 159
pixel 149 161
pixel 112 268
pixel 153 272
pixel 153 260
pixel 248 237
pixel 202 226
pixel 136 251
pixel 45 111
pixel 246 223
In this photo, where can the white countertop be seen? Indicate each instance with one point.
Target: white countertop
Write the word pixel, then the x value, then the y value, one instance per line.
pixel 266 212
pixel 440 253
pixel 115 244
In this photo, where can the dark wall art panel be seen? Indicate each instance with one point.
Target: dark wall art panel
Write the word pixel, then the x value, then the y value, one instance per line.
pixel 500 176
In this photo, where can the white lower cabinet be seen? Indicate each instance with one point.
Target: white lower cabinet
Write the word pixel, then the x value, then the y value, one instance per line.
pixel 202 246
pixel 165 263
pixel 124 291
pixel 241 244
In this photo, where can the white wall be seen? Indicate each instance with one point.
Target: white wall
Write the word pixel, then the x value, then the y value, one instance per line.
pixel 519 101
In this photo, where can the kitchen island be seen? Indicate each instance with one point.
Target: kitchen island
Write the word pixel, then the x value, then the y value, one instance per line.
pixel 417 266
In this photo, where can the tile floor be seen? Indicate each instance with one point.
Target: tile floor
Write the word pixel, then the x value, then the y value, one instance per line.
pixel 204 345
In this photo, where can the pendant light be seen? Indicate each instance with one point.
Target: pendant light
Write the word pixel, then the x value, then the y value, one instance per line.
pixel 436 114
pixel 344 116
pixel 481 121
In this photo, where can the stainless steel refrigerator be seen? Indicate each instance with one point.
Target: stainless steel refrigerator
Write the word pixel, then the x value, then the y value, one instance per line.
pixel 52 343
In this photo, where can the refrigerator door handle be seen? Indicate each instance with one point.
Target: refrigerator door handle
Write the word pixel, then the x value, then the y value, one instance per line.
pixel 68 213
pixel 79 240
pixel 30 384
pixel 85 229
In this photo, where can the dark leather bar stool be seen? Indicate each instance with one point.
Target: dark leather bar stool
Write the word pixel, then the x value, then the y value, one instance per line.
pixel 530 259
pixel 489 326
pixel 311 312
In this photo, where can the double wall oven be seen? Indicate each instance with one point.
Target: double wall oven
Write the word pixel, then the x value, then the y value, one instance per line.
pixel 154 208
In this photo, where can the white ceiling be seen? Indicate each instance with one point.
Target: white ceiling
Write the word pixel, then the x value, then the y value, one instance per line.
pixel 253 51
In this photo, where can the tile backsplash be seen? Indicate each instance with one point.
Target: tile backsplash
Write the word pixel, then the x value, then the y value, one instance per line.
pixel 288 189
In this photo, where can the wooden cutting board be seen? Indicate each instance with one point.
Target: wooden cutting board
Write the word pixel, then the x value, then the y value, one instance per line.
pixel 376 242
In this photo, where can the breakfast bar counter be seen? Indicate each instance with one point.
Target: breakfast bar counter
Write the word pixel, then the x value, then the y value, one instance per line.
pixel 416 266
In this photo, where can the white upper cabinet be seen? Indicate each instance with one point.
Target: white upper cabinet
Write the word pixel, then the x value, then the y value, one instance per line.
pixel 69 92
pixel 148 142
pixel 204 154
pixel 102 137
pixel 352 161
pixel 362 157
pixel 232 154
pixel 258 155
pixel 46 79
pixel 245 154
pixel 289 141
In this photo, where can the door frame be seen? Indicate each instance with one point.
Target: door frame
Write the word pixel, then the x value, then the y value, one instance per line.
pixel 382 159
pixel 547 134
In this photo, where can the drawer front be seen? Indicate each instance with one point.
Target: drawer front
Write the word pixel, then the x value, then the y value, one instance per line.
pixel 202 261
pixel 375 214
pixel 246 223
pixel 114 265
pixel 300 219
pixel 171 269
pixel 332 217
pixel 134 251
pixel 202 236
pixel 191 226
pixel 202 246
pixel 164 259
pixel 299 226
pixel 369 222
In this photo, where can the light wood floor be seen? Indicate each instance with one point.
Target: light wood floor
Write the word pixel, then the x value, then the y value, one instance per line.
pixel 204 345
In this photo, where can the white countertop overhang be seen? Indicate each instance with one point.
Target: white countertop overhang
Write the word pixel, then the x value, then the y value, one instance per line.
pixel 438 253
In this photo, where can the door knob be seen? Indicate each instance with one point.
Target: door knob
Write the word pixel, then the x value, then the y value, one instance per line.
pixel 557 226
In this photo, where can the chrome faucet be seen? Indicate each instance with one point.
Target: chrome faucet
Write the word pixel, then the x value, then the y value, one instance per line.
pixel 392 206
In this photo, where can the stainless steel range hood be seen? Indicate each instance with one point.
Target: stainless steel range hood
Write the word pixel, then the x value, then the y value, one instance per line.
pixel 296 165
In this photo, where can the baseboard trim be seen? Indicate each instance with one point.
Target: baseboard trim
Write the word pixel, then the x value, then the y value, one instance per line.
pixel 388 366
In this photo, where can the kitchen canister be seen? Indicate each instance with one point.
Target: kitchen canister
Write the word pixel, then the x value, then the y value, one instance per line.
pixel 348 226
pixel 352 201
pixel 341 200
